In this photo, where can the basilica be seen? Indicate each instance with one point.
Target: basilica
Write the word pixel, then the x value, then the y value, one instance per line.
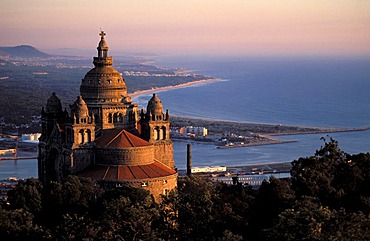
pixel 104 135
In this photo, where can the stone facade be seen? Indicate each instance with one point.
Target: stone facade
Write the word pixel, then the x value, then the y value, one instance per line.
pixel 125 156
pixel 103 136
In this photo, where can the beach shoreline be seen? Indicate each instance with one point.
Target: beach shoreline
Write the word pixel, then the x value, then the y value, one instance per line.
pixel 172 87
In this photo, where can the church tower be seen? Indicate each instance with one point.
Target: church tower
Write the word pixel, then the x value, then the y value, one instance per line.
pixel 83 125
pixel 52 165
pixel 155 128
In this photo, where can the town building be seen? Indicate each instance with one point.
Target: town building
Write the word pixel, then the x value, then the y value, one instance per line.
pixel 193 131
pixel 33 137
pixel 105 137
pixel 207 169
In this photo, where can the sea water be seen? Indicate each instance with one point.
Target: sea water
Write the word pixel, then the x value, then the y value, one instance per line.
pixel 321 92
pixel 22 168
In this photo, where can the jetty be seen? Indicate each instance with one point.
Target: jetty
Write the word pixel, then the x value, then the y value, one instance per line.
pixel 12 154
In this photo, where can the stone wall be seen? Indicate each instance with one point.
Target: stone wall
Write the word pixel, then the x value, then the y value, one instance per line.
pixel 81 158
pixel 156 186
pixel 163 152
pixel 125 156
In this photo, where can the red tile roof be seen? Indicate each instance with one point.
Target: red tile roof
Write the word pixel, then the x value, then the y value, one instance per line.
pixel 126 172
pixel 119 138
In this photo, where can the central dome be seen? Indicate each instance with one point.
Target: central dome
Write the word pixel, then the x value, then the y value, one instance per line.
pixel 103 83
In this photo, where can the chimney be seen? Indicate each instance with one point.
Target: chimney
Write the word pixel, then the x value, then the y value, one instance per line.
pixel 188 160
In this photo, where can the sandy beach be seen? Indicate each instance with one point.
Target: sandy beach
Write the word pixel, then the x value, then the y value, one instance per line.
pixel 171 87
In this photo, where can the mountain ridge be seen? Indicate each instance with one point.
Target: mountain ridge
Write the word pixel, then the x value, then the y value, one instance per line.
pixel 22 51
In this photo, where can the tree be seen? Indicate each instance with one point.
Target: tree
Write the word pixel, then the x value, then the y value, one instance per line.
pixel 127 214
pixel 18 224
pixel 26 195
pixel 195 209
pixel 356 183
pixel 304 221
pixel 335 178
pixel 73 196
pixel 229 236
pixel 273 197
pixel 202 210
pixel 314 176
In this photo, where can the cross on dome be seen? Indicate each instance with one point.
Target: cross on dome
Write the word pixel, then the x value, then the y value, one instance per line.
pixel 102 34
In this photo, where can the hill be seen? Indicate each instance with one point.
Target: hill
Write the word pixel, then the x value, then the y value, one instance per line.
pixel 22 51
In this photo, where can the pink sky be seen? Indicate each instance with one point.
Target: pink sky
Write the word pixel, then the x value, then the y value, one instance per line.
pixel 314 27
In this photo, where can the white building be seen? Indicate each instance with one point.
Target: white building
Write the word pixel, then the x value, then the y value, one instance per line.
pixel 31 137
pixel 193 131
pixel 208 169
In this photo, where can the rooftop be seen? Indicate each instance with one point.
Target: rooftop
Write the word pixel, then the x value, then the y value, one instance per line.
pixel 127 172
pixel 120 138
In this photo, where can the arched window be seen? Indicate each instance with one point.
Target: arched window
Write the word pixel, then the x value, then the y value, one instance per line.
pixel 110 119
pixel 163 130
pixel 81 137
pixel 115 117
pixel 88 136
pixel 155 133
pixel 120 118
pixel 165 192
pixel 160 130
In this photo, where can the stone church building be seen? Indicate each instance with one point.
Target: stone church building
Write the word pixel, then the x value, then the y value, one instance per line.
pixel 105 137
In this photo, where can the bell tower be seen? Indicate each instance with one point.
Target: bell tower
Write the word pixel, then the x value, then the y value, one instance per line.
pixel 52 164
pixel 155 128
pixel 83 125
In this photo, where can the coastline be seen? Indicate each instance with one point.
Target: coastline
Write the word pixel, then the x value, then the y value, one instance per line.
pixel 172 87
pixel 217 126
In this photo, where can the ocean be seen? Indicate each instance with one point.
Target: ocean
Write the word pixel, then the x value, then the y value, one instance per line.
pixel 320 92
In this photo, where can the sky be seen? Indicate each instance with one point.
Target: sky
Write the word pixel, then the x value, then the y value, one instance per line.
pixel 225 27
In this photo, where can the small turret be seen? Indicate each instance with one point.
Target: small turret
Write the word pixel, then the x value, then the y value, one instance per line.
pixel 167 116
pixel 83 124
pixel 155 107
pixel 79 108
pixel 53 104
pixel 155 128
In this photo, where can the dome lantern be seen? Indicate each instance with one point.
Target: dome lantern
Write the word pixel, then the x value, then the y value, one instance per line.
pixel 103 59
pixel 103 46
